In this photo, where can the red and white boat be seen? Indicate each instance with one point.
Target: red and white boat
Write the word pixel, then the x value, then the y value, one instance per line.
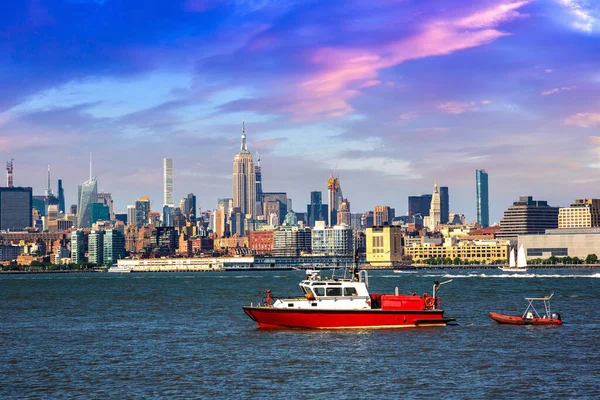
pixel 347 304
pixel 531 315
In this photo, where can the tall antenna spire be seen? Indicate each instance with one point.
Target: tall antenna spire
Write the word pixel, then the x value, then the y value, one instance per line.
pixel 48 190
pixel 90 166
pixel 9 173
pixel 244 147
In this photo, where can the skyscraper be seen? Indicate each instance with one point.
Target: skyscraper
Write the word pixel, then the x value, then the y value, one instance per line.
pixel 77 247
pixel 244 179
pixel 259 191
pixel 419 205
pixel 106 199
pixel 527 216
pixel 188 206
pixel 142 209
pixel 15 208
pixel 168 182
pixel 114 246
pixel 316 210
pixel 444 204
pixel 435 209
pixel 87 194
pixel 61 197
pixel 96 247
pixel 335 199
pixel 483 207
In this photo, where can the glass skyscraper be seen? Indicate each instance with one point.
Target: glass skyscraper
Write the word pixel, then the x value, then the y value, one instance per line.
pixel 87 194
pixel 483 205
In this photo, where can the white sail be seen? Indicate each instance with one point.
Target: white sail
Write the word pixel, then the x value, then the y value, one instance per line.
pixel 521 260
pixel 511 263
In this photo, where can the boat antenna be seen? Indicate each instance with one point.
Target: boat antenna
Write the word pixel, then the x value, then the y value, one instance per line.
pixel 355 266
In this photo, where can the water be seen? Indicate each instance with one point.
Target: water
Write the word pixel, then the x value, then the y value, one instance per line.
pixel 186 336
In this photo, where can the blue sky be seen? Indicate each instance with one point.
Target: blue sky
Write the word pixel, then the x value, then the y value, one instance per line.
pixel 397 94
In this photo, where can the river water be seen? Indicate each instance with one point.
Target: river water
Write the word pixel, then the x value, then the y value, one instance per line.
pixel 185 335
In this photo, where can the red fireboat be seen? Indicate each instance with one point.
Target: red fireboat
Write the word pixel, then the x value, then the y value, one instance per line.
pixel 347 304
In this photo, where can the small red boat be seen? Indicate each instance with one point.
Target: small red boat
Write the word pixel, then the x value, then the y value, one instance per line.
pixel 347 304
pixel 531 315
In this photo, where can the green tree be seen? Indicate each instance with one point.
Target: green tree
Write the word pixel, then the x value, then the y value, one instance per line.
pixel 591 259
pixel 457 261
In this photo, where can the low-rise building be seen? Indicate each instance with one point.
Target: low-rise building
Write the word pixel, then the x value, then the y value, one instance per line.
pixel 482 251
pixel 581 214
pixel 562 243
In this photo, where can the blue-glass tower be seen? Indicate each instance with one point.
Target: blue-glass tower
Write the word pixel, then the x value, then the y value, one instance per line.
pixel 483 205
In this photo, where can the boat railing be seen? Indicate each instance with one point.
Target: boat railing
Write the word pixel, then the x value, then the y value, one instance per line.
pixel 363 276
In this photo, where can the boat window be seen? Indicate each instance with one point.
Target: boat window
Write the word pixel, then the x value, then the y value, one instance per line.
pixel 334 291
pixel 319 291
pixel 350 291
pixel 335 284
pixel 319 284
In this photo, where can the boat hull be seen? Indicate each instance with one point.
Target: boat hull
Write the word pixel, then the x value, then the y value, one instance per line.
pixel 518 320
pixel 508 269
pixel 271 317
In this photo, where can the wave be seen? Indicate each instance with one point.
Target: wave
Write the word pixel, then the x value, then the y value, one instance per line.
pixel 519 276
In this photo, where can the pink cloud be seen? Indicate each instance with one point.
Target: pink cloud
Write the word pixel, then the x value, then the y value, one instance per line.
pixel 408 115
pixel 457 107
pixel 267 143
pixel 559 89
pixel 341 72
pixel 584 120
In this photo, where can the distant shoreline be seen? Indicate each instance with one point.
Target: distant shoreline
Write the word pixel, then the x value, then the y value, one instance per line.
pixel 259 269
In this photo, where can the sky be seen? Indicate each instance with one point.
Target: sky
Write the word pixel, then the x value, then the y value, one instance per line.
pixel 390 96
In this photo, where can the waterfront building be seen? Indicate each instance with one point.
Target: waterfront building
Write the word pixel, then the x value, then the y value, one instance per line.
pixel 316 210
pixel 482 251
pixel 335 198
pixel 62 256
pixel 168 182
pixel 244 180
pixel 142 209
pixel 564 242
pixel 15 208
pixel 261 241
pixel 384 246
pixel 96 247
pixel 583 213
pixel 291 242
pixel 444 205
pixel 114 246
pixel 332 241
pixel 527 216
pixel 483 206
pixel 435 211
pixel 77 247
pixel 61 198
pixel 10 252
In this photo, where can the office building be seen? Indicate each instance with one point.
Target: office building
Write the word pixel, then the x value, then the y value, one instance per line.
pixel 106 199
pixel 384 246
pixel 96 247
pixel 275 203
pixel 335 198
pixel 381 216
pixel 316 210
pixel 87 194
pixel 332 241
pixel 114 246
pixel 168 182
pixel 15 208
pixel 583 213
pixel 482 251
pixel 444 205
pixel 142 211
pixel 419 206
pixel 527 216
pixel 259 190
pixel 344 216
pixel 188 207
pixel 99 212
pixel 61 197
pixel 77 247
pixel 291 242
pixel 562 242
pixel 244 180
pixel 435 211
pixel 483 206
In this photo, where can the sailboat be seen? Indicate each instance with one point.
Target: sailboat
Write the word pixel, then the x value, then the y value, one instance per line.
pixel 520 265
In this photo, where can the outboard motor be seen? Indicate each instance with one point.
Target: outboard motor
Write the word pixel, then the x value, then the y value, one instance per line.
pixel 556 316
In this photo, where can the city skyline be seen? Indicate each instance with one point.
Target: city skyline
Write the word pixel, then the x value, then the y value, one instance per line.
pixel 454 90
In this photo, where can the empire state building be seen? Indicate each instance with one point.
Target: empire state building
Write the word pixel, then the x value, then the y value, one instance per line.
pixel 244 180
